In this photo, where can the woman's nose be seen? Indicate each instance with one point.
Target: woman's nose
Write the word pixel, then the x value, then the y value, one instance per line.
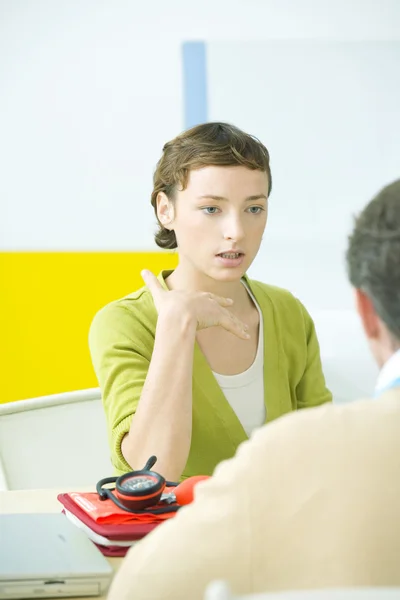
pixel 233 229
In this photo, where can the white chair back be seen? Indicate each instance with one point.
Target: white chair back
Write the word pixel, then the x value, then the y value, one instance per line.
pixel 57 441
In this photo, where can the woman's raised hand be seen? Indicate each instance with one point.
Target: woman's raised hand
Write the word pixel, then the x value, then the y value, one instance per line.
pixel 206 309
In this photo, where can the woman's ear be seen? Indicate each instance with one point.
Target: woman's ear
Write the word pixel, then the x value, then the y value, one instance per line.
pixel 165 210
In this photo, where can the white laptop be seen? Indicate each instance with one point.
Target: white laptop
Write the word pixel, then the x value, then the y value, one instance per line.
pixel 46 556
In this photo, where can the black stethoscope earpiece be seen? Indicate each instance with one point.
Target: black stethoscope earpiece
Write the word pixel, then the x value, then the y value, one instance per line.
pixel 137 491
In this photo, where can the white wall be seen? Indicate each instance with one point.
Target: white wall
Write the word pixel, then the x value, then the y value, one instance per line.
pixel 329 112
pixel 90 91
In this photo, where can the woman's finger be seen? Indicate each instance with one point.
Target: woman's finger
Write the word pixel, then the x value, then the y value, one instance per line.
pixel 234 325
pixel 153 284
pixel 221 300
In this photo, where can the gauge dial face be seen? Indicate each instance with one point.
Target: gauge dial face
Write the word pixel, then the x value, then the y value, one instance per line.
pixel 139 483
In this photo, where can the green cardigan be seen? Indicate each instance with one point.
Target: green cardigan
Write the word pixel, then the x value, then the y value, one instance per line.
pixel 121 341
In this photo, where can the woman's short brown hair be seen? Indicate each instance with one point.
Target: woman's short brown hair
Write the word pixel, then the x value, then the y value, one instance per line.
pixel 210 144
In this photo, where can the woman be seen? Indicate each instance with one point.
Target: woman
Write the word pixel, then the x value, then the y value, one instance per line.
pixel 193 362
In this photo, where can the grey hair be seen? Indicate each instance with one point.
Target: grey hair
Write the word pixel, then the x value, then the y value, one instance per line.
pixel 373 255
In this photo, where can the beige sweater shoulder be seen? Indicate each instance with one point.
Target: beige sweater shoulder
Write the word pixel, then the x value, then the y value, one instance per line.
pixel 311 500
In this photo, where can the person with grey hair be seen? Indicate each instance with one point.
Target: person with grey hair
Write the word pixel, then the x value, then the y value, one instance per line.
pixel 373 264
pixel 311 500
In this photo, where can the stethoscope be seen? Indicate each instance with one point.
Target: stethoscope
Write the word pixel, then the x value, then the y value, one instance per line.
pixel 138 491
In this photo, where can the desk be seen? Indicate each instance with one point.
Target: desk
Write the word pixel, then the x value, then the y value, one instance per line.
pixel 40 501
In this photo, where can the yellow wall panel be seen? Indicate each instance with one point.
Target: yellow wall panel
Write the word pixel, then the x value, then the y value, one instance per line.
pixel 47 302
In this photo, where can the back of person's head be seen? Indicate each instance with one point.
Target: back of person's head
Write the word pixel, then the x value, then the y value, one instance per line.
pixel 210 144
pixel 373 256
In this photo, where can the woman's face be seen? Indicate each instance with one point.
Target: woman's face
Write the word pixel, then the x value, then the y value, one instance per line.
pixel 219 220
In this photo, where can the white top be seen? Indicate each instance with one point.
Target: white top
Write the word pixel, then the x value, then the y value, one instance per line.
pixel 245 391
pixel 389 373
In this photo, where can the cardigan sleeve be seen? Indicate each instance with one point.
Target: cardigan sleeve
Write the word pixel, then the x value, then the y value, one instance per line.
pixel 120 347
pixel 311 389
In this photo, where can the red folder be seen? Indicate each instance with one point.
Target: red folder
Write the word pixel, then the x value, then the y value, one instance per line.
pixel 130 530
pixel 115 551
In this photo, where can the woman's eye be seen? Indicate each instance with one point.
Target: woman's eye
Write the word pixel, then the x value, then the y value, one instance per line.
pixel 255 210
pixel 210 210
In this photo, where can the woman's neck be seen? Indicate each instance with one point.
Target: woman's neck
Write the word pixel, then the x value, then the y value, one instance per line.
pixel 190 280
